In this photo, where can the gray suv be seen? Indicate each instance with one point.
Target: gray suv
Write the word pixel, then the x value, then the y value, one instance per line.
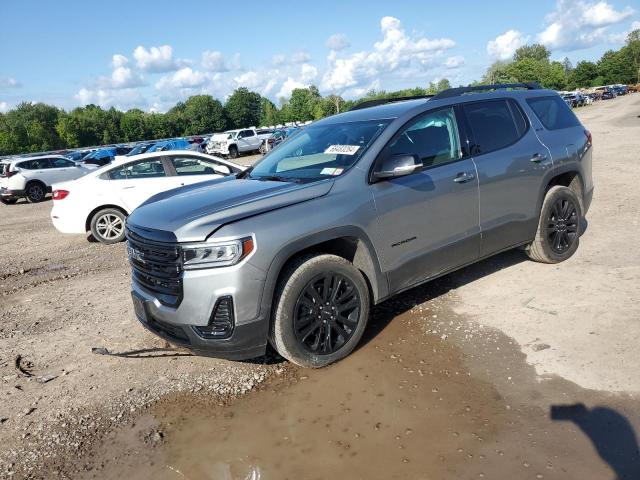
pixel 353 209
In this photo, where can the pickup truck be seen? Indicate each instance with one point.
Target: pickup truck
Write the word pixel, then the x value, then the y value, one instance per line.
pixel 234 142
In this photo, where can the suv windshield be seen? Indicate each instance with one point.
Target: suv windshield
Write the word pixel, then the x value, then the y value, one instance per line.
pixel 319 151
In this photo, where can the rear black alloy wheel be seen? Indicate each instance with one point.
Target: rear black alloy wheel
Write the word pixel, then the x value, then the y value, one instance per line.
pixel 562 225
pixel 558 234
pixel 35 192
pixel 327 313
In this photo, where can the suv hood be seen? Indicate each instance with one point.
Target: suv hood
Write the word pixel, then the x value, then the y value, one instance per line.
pixel 192 213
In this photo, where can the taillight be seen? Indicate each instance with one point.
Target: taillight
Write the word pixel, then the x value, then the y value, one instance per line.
pixel 60 194
pixel 8 174
pixel 589 139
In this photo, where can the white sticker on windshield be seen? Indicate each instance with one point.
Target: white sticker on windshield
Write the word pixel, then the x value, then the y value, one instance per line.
pixel 342 149
pixel 331 171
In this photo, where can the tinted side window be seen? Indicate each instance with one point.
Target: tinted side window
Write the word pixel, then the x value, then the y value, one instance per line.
pixel 492 125
pixel 197 166
pixel 433 137
pixel 146 169
pixel 37 164
pixel 553 112
pixel 61 163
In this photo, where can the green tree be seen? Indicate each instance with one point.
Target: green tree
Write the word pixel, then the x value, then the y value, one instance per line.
pixel 133 125
pixel 443 84
pixel 269 114
pixel 582 75
pixel 303 103
pixel 243 108
pixel 535 51
pixel 497 73
pixel 203 114
pixel 30 128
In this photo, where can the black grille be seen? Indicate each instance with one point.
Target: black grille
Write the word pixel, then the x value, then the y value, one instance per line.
pixel 157 267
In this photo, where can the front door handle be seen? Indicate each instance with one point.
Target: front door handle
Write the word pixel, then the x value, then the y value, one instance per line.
pixel 127 188
pixel 464 177
pixel 538 157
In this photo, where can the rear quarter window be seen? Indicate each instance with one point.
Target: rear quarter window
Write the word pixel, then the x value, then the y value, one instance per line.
pixel 553 112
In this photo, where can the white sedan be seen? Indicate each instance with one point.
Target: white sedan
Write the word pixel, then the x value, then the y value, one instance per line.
pixel 101 200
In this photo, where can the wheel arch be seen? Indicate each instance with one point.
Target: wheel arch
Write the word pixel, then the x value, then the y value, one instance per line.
pixel 350 242
pixel 87 223
pixel 568 176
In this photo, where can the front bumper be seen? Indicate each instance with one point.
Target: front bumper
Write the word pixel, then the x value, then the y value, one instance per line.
pixel 201 290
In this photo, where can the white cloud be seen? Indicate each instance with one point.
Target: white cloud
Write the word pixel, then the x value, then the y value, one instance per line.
pixel 308 73
pixel 9 82
pixel 214 61
pixel 4 107
pixel 454 62
pixel 602 14
pixel 338 41
pixel 156 59
pixel 288 86
pixel 504 46
pixel 118 61
pixel 396 53
pixel 124 77
pixel 621 37
pixel 278 59
pixel 300 57
pixel 123 99
pixel 250 79
pixel 185 78
pixel 576 24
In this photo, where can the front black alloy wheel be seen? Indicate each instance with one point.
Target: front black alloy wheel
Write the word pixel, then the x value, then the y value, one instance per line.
pixel 562 225
pixel 321 310
pixel 326 314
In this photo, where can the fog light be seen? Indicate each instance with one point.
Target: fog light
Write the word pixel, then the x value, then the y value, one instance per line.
pixel 221 322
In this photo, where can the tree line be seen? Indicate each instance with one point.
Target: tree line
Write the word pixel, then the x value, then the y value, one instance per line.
pixel 40 127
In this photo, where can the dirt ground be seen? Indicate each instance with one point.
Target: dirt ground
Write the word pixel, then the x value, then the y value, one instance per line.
pixel 506 369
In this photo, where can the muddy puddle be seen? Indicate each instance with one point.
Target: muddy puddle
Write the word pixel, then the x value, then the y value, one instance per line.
pixel 406 404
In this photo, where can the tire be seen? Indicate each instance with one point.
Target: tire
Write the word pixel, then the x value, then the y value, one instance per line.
pixel 558 234
pixel 107 226
pixel 36 192
pixel 233 152
pixel 301 319
pixel 8 201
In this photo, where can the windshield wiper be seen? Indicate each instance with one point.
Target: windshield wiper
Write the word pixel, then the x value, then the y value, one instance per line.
pixel 276 178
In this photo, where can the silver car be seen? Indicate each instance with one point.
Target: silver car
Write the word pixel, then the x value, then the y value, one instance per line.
pixel 354 209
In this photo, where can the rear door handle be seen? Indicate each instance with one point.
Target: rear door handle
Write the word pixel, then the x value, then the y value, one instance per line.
pixel 127 188
pixel 464 177
pixel 538 157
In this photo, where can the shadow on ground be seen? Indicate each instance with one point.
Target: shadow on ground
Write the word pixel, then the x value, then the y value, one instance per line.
pixel 611 434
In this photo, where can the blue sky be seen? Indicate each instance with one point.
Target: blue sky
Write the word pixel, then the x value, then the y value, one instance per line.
pixel 151 54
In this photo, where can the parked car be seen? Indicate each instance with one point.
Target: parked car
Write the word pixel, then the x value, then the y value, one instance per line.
pixel 276 138
pixel 100 157
pixel 75 155
pixel 170 145
pixel 234 142
pixel 138 149
pixel 32 178
pixel 355 208
pixel 606 93
pixel 101 201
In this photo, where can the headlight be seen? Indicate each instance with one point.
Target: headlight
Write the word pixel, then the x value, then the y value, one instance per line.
pixel 220 254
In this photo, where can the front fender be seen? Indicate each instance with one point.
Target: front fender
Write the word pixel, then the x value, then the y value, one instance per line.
pixel 366 259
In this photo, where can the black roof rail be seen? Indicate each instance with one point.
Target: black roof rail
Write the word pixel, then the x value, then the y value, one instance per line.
pixel 454 92
pixel 382 101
